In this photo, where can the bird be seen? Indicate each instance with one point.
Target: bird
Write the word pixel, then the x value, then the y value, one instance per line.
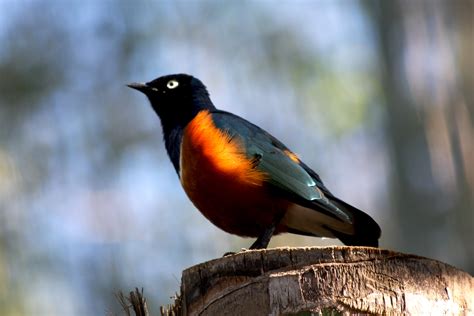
pixel 240 177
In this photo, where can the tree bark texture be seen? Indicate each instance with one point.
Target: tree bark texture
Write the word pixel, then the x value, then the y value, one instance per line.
pixel 344 279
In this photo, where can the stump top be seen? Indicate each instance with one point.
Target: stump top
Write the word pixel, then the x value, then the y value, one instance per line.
pixel 287 280
pixel 261 261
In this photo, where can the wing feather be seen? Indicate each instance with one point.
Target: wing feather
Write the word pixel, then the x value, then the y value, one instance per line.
pixel 285 175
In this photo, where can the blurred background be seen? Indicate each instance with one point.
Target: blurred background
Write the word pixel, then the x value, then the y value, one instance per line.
pixel 376 96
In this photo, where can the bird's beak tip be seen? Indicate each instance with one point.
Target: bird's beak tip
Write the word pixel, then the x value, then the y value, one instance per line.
pixel 138 86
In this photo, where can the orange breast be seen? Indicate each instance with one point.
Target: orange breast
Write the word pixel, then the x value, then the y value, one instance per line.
pixel 222 182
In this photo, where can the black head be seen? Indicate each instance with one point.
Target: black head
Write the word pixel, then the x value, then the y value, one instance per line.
pixel 175 98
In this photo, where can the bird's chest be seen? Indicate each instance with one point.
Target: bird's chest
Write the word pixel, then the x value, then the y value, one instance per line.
pixel 218 177
pixel 214 163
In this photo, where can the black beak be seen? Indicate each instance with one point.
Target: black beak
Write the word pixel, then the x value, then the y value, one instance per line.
pixel 142 87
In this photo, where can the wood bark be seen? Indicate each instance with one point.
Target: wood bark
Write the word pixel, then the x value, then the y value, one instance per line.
pixel 344 279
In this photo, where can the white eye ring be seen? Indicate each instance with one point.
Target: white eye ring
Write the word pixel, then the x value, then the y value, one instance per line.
pixel 172 84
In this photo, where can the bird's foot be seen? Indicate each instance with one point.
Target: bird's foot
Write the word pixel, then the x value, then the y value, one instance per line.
pixel 230 253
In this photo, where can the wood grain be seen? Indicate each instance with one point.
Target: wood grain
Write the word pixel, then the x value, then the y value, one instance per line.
pixel 347 279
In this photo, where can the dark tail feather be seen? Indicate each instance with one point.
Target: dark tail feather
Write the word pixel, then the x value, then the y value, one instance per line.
pixel 367 231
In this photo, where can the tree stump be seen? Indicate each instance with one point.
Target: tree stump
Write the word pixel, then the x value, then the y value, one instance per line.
pixel 319 279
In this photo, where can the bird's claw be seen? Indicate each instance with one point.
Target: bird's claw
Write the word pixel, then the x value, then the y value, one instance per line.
pixel 230 253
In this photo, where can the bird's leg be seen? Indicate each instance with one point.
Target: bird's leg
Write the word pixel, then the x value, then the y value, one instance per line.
pixel 263 240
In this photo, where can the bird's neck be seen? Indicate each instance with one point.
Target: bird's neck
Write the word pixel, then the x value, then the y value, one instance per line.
pixel 202 101
pixel 173 138
pixel 174 122
pixel 174 125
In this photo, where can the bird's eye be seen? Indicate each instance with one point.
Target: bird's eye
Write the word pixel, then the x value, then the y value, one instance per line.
pixel 172 84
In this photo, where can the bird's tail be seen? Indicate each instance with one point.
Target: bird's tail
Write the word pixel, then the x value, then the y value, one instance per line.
pixel 366 232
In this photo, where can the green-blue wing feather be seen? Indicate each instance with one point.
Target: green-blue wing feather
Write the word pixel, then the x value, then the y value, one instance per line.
pixel 284 174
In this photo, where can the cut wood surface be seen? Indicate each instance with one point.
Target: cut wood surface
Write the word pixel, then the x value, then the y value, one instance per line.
pixel 345 279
